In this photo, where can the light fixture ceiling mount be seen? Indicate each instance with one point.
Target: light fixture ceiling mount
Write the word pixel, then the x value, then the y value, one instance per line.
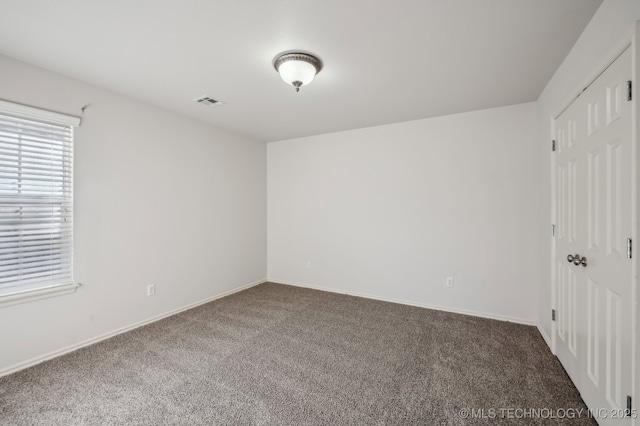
pixel 297 68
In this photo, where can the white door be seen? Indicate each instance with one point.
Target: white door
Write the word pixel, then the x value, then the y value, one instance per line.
pixel 593 167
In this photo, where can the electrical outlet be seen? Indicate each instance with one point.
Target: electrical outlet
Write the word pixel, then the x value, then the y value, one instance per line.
pixel 151 290
pixel 309 264
pixel 449 281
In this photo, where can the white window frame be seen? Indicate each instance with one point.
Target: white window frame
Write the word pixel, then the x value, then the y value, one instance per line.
pixel 23 294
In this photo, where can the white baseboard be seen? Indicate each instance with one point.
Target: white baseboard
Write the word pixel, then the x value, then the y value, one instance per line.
pixel 545 336
pixel 405 302
pixel 37 360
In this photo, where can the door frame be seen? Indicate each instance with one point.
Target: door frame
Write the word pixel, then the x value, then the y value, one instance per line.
pixel 630 40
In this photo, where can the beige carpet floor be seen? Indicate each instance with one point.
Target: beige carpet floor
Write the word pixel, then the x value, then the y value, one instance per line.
pixel 281 355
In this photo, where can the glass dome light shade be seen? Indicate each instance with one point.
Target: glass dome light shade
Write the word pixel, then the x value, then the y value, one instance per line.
pixel 293 70
pixel 297 68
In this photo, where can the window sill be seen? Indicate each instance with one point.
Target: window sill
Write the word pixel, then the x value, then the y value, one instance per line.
pixel 32 295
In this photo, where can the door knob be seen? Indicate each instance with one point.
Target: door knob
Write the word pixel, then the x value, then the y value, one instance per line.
pixel 577 260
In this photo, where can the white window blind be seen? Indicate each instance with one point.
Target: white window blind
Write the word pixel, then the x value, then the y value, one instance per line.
pixel 36 199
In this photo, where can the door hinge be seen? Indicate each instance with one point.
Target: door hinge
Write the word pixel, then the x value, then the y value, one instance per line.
pixel 629 90
pixel 553 315
pixel 629 248
pixel 628 412
pixel 553 230
pixel 553 145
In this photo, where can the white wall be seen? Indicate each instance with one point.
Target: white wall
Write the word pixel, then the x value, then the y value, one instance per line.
pixel 391 211
pixel 159 198
pixel 612 21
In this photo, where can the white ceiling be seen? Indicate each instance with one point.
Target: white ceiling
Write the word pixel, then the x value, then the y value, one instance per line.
pixel 385 61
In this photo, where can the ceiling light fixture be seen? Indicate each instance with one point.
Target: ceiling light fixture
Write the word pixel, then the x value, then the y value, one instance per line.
pixel 297 68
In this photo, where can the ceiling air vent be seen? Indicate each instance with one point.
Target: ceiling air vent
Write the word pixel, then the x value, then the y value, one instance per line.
pixel 208 101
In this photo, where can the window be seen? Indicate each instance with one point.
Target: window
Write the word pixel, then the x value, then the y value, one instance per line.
pixel 36 203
